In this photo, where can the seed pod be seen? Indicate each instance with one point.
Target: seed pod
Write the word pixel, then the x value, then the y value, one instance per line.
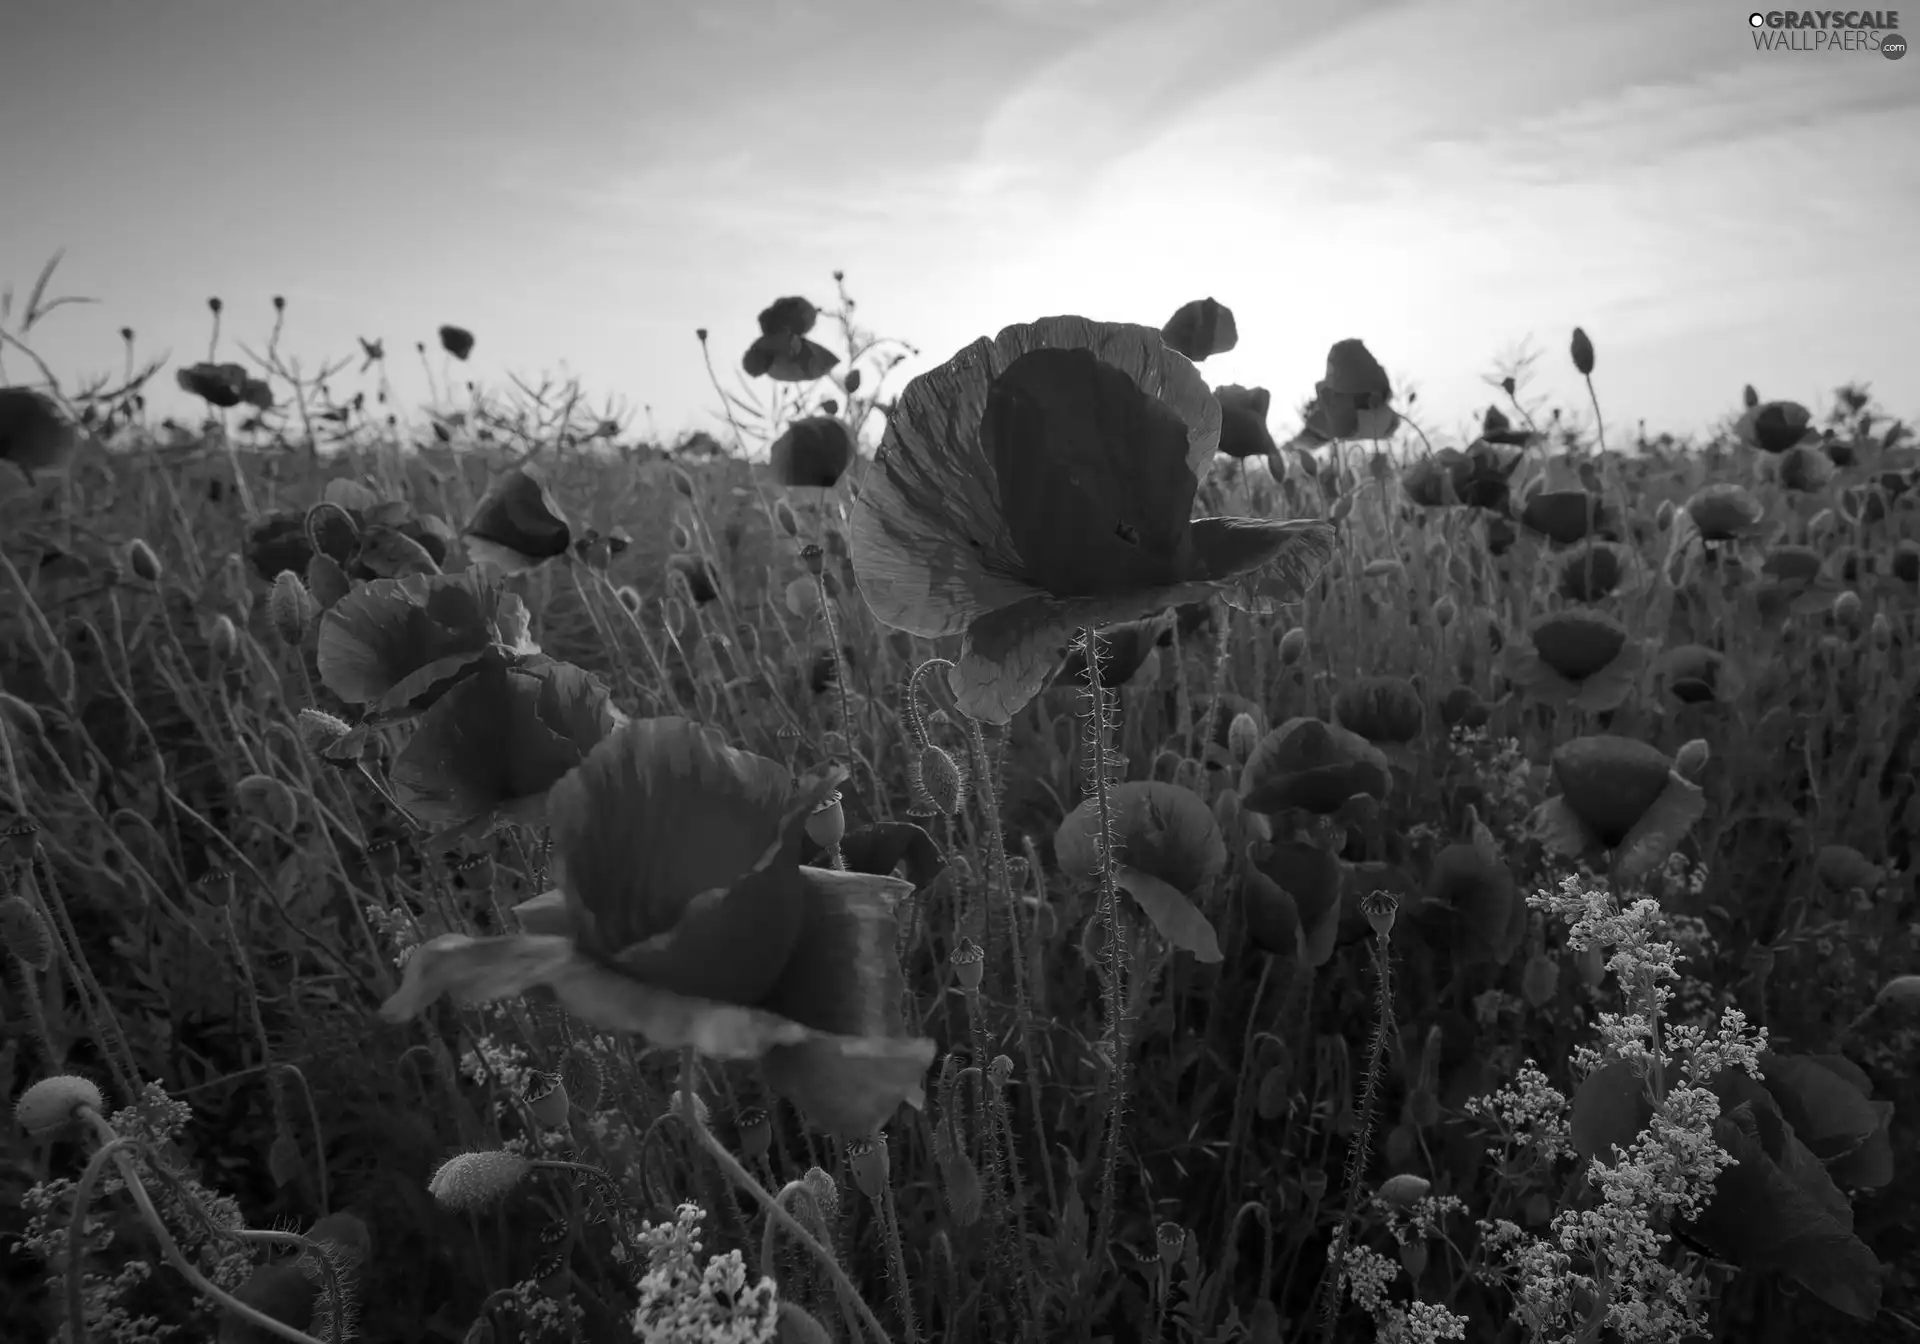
pixel 1170 1239
pixel 969 962
pixel 755 1131
pixel 868 1158
pixel 546 1096
pixel 827 823
pixel 1413 1258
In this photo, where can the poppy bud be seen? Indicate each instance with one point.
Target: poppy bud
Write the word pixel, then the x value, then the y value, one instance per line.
pixel 1663 516
pixel 1292 645
pixel 827 823
pixel 803 597
pixel 1690 762
pixel 868 1158
pixel 825 1193
pixel 700 334
pixel 700 1111
pixel 223 641
pixel 1445 610
pixel 1582 352
pixel 469 1181
pixel 783 515
pixel 1243 735
pixel 24 935
pixel 290 607
pixel 1270 1096
pixel 546 1097
pixel 142 561
pixel 629 598
pixel 319 730
pixel 51 1104
pixel 1171 1239
pixel 271 798
pixel 1313 1184
pixel 755 1132
pixel 22 717
pixel 969 962
pixel 1000 1070
pixel 1403 1191
pixel 940 778
pixel 1882 631
pixel 1341 508
pixel 679 539
pixel 1507 385
pixel 1539 980
pixel 1846 609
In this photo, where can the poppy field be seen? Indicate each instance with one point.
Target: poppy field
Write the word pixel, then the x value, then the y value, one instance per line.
pixel 1020 854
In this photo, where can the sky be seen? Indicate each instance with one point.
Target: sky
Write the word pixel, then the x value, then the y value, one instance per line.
pixel 583 183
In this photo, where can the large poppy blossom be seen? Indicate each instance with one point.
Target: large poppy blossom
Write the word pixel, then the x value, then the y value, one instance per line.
pixel 1043 481
pixel 684 915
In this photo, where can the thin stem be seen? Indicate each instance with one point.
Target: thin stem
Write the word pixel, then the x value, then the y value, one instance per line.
pixel 1099 730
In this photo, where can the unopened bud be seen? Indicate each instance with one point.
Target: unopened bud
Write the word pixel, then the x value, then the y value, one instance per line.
pixel 290 607
pixel 1881 631
pixel 1582 351
pixel 546 1096
pixel 940 777
pixel 1690 762
pixel 755 1130
pixel 783 517
pixel 223 640
pixel 319 730
pixel 51 1104
pixel 24 935
pixel 142 562
pixel 1445 610
pixel 1293 645
pixel 1379 907
pixel 1846 609
pixel 469 1181
pixel 1243 735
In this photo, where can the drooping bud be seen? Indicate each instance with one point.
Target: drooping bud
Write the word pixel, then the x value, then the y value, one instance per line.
pixel 1690 762
pixel 319 730
pixel 290 607
pixel 470 1181
pixel 546 1096
pixel 51 1104
pixel 223 640
pixel 24 935
pixel 1243 735
pixel 1293 645
pixel 142 562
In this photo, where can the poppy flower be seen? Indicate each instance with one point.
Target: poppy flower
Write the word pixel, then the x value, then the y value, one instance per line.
pixel 1243 421
pixel 787 358
pixel 222 386
pixel 791 316
pixel 814 453
pixel 394 646
pixel 1695 674
pixel 698 575
pixel 1351 401
pixel 1805 470
pixel 683 915
pixel 1591 569
pixel 1724 511
pixel 1043 481
pixel 34 435
pixel 1620 796
pixel 490 748
pixel 1774 426
pixel 1386 711
pixel 884 849
pixel 1200 328
pixel 1290 899
pixel 285 539
pixel 1166 845
pixel 518 526
pixel 1314 766
pixel 1471 892
pixel 1578 657
pixel 1563 516
pixel 1462 707
pixel 456 341
pixel 1496 428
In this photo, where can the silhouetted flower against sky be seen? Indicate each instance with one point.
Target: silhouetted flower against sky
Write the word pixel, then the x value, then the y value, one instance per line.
pixel 1351 402
pixel 1243 420
pixel 34 435
pixel 1201 328
pixel 1775 426
pixel 224 386
pixel 1043 481
pixel 683 915
pixel 518 526
pixel 813 453
pixel 456 341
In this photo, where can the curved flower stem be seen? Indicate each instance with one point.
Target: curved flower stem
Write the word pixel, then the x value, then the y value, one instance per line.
pixel 168 1247
pixel 1099 732
pixel 1357 1155
pixel 758 1193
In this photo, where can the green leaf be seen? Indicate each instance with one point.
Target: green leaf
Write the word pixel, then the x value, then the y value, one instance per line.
pixel 1828 1114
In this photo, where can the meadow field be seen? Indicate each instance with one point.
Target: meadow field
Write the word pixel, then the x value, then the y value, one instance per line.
pixel 1069 867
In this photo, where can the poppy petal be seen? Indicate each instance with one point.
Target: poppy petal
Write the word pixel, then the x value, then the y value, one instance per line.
pixel 914 573
pixel 844 981
pixel 670 845
pixel 1261 565
pixel 545 914
pixel 483 969
pixel 386 631
pixel 1176 918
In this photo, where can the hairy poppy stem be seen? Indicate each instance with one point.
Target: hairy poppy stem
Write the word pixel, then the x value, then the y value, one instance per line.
pixel 758 1193
pixel 1357 1154
pixel 1099 733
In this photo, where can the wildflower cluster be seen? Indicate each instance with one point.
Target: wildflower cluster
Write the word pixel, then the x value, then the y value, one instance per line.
pixel 683 1301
